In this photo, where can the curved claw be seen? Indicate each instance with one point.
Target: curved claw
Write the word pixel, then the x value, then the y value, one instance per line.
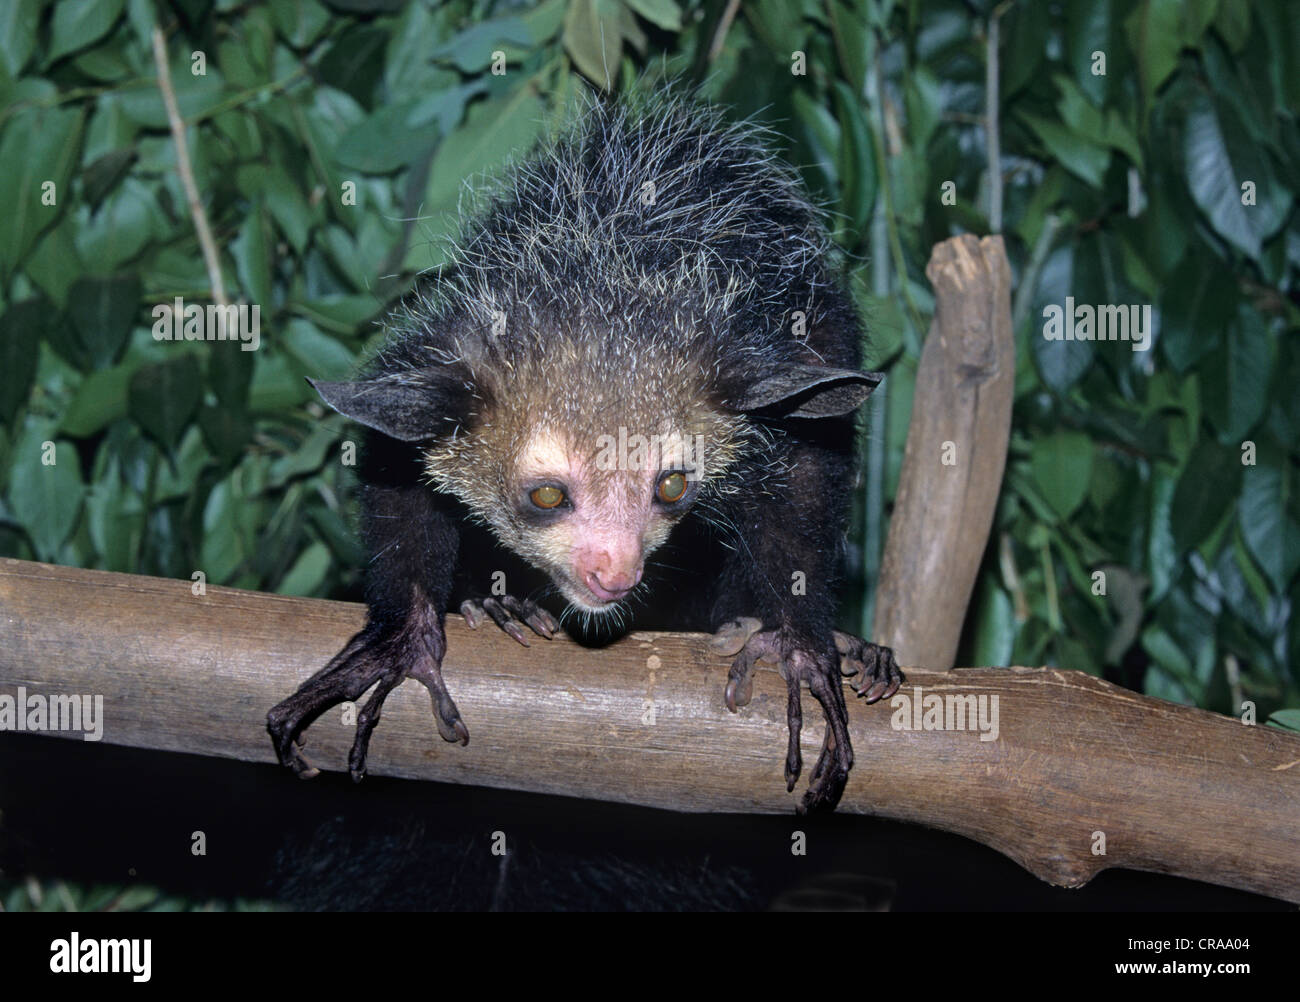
pixel 794 721
pixel 740 680
pixel 507 612
pixel 804 660
pixel 427 671
pixel 377 656
pixel 300 763
pixel 831 773
pixel 472 612
pixel 541 621
pixel 367 719
pixel 742 638
pixel 348 674
pixel 877 671
pixel 740 690
pixel 516 631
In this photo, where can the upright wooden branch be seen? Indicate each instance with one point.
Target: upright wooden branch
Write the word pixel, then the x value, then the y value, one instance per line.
pixel 1171 789
pixel 956 451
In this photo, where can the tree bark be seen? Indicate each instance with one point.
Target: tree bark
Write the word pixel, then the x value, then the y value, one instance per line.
pixel 956 450
pixel 1172 789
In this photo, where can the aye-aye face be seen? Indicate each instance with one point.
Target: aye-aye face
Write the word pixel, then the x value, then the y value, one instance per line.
pixel 588 507
pixel 589 513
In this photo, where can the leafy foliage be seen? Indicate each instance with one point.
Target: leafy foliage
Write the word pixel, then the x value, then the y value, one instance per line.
pixel 1119 187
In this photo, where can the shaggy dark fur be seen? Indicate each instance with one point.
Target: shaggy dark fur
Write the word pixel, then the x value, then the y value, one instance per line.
pixel 660 257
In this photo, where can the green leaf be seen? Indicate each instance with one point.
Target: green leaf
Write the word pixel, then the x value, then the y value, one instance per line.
pixel 340 313
pixel 1196 309
pixel 290 210
pixel 307 458
pixel 252 253
pixel 821 132
pixel 1197 16
pixel 1084 159
pixel 136 898
pixel 1090 123
pixel 1218 159
pixel 163 397
pixel 227 431
pixel 196 96
pixel 1062 363
pixel 1075 655
pixel 471 50
pixel 54 264
pixel 1179 684
pixel 45 500
pixel 1233 22
pixel 1208 486
pixel 1027 31
pixel 1062 466
pixel 77 25
pixel 307 572
pixel 384 141
pixel 99 400
pixel 316 354
pixel 18 23
pixel 1089 29
pixel 355 61
pixel 444 108
pixel 1290 719
pixel 852 42
pixel 276 386
pixel 109 134
pixel 1155 38
pixel 662 13
pixel 100 177
pixel 230 371
pixel 39 146
pixel 1235 376
pixel 299 22
pixel 113 520
pixel 995 626
pixel 227 534
pixel 180 477
pixel 1281 32
pixel 103 311
pixel 545 19
pixel 857 163
pixel 923 97
pixel 106 63
pixel 1161 551
pixel 1267 492
pixel 21 327
pixel 120 230
pixel 493 132
pixel 593 39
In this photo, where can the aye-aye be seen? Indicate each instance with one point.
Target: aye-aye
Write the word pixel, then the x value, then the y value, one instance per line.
pixel 640 377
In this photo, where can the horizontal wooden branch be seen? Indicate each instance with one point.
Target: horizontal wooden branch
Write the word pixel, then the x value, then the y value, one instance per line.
pixel 1173 789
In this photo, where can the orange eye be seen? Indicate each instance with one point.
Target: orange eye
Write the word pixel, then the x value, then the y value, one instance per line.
pixel 671 488
pixel 546 497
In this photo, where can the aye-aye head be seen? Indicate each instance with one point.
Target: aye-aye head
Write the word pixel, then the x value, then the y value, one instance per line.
pixel 583 456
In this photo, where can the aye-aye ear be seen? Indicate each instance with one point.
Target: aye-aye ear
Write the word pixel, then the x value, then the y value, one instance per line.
pixel 809 391
pixel 408 406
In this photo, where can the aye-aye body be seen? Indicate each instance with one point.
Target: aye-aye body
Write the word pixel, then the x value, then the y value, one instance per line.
pixel 640 378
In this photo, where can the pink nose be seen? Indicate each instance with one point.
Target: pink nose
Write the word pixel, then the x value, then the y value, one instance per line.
pixel 612 587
